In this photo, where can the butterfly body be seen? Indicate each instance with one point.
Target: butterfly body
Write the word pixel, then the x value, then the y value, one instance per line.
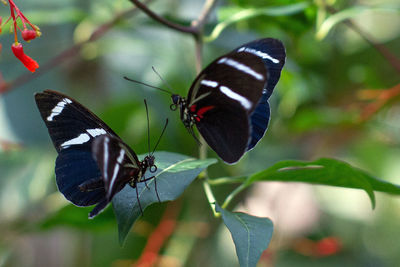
pixel 228 101
pixel 93 163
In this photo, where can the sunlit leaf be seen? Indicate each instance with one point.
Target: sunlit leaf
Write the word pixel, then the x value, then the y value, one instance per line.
pixel 250 234
pixel 231 15
pixel 175 172
pixel 325 171
pixel 349 13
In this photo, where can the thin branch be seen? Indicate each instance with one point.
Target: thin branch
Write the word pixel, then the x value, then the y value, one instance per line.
pixel 381 98
pixel 381 48
pixel 201 20
pixel 169 24
pixel 9 146
pixel 196 28
pixel 68 53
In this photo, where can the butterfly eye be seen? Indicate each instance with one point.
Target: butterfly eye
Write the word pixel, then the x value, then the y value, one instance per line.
pixel 153 168
pixel 173 107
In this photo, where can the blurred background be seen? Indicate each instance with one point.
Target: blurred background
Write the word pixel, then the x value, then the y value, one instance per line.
pixel 337 97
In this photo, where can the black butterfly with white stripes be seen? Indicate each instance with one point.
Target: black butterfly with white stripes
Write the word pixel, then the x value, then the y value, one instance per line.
pixel 93 163
pixel 228 101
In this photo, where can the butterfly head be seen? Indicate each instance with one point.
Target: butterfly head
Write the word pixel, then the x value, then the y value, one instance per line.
pixel 177 100
pixel 148 162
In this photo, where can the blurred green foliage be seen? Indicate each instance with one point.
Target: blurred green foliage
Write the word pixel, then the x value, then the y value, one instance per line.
pixel 318 110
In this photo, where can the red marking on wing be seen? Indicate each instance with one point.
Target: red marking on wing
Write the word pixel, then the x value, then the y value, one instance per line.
pixel 203 110
pixel 193 108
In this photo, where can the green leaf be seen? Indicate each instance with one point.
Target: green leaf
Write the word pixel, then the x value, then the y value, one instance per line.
pixel 325 171
pixel 175 172
pixel 231 15
pixel 250 234
pixel 74 217
pixel 349 13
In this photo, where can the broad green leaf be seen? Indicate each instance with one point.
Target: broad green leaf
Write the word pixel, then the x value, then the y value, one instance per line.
pixel 175 172
pixel 231 15
pixel 325 171
pixel 349 13
pixel 75 217
pixel 250 234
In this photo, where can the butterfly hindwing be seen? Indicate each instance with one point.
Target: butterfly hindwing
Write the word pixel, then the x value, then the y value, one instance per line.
pixel 73 168
pixel 259 121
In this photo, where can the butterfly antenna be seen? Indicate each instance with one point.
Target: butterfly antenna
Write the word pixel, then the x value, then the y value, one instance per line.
pixel 148 125
pixel 165 127
pixel 159 76
pixel 148 85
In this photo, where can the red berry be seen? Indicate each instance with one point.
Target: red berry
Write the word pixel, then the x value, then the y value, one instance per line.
pixel 28 35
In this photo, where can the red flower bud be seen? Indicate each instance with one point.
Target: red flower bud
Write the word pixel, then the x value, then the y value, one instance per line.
pixel 28 62
pixel 28 35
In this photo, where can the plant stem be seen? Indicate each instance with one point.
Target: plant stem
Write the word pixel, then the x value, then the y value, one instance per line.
pixel 233 194
pixel 227 180
pixel 210 197
pixel 198 38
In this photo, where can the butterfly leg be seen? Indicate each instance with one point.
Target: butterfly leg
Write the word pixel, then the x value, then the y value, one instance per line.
pixel 155 185
pixel 137 197
pixel 145 183
pixel 191 132
pixel 91 185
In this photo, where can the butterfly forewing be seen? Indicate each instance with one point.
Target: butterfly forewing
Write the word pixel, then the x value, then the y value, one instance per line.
pixel 117 163
pixel 235 77
pixel 272 52
pixel 68 122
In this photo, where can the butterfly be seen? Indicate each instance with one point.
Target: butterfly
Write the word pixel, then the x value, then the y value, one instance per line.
pixel 228 101
pixel 93 163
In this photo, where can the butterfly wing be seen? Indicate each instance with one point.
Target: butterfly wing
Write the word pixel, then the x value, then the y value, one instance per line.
pixel 236 87
pixel 222 98
pixel 73 168
pixel 72 128
pixel 117 163
pixel 68 122
pixel 272 52
pixel 229 141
